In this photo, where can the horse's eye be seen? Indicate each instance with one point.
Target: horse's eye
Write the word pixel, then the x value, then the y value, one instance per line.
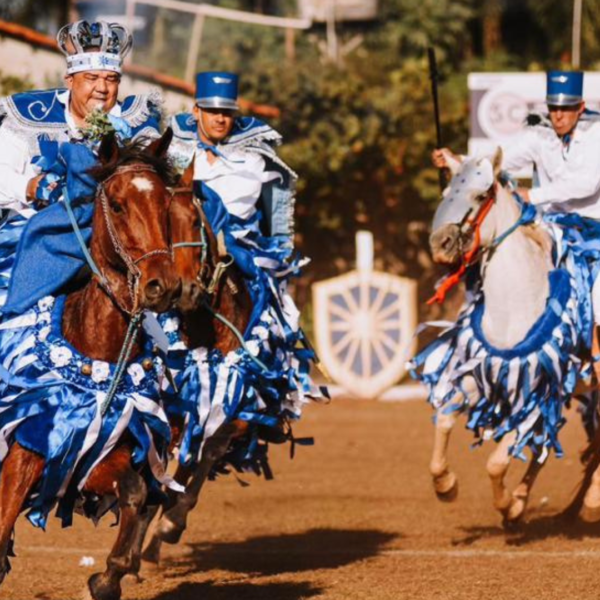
pixel 115 207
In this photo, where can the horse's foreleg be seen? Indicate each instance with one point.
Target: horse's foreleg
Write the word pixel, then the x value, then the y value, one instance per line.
pixel 131 492
pixel 445 482
pixel 144 524
pixel 173 522
pixel 497 466
pixel 590 511
pixel 520 495
pixel 20 472
pixel 152 552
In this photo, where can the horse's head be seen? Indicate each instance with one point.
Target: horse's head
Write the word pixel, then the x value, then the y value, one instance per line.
pixel 190 241
pixel 131 230
pixel 461 213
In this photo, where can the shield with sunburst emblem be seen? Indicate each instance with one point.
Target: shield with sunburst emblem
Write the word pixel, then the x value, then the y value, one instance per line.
pixel 364 327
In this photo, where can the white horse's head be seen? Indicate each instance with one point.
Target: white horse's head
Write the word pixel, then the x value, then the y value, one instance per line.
pixel 463 204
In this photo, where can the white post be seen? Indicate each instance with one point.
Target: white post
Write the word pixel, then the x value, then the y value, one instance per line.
pixel 129 20
pixel 364 251
pixel 194 48
pixel 332 44
pixel 576 52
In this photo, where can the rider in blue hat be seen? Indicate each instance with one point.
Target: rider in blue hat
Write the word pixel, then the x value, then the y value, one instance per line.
pixel 563 148
pixel 247 194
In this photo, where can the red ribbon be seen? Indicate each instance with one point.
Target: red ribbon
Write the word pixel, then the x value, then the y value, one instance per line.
pixel 468 258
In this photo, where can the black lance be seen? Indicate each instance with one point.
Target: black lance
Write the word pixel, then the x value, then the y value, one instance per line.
pixel 434 76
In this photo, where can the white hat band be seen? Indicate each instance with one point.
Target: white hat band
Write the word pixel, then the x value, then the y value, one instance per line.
pixel 94 61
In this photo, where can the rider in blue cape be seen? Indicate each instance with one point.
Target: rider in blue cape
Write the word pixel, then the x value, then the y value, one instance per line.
pixel 247 194
pixel 34 126
pixel 50 394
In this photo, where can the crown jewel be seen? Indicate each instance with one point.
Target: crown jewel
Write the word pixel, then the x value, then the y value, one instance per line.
pixel 98 46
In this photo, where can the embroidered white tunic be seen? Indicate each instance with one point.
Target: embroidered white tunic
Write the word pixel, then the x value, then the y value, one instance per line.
pixel 238 179
pixel 569 175
pixel 15 161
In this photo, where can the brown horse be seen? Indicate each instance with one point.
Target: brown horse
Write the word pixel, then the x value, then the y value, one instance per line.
pixel 131 246
pixel 197 256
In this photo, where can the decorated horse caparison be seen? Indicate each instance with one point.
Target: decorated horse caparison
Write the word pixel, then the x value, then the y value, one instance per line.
pixel 196 258
pixel 514 356
pixel 230 415
pixel 80 410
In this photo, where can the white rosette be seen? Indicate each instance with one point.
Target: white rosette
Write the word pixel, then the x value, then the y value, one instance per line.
pixel 171 325
pixel 136 372
pixel 60 356
pixel 46 303
pixel 100 371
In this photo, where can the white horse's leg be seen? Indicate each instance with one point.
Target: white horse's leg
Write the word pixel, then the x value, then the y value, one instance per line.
pixel 590 511
pixel 445 482
pixel 497 466
pixel 520 495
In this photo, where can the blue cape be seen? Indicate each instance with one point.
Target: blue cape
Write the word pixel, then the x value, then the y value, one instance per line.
pixel 48 254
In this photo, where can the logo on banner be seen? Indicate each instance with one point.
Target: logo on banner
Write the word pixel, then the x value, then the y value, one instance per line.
pixel 502 113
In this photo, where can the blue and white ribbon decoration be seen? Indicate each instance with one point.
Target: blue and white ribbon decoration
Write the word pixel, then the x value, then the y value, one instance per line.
pixel 50 399
pixel 522 389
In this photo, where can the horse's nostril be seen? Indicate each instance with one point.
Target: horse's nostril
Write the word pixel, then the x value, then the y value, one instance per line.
pixel 154 289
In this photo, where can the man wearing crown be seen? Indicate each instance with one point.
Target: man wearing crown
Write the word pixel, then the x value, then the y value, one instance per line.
pixel 247 193
pixel 34 124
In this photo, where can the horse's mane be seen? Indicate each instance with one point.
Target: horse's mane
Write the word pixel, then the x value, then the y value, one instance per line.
pixel 533 231
pixel 136 152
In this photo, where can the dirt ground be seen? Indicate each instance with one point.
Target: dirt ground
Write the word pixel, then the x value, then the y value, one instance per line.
pixel 352 518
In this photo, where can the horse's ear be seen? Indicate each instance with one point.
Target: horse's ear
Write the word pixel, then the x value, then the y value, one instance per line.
pixel 160 146
pixel 187 177
pixel 452 163
pixel 497 162
pixel 109 149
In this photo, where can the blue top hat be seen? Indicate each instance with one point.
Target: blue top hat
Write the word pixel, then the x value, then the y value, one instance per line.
pixel 564 88
pixel 217 89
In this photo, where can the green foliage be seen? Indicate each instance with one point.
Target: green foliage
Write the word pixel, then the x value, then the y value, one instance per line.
pixel 12 85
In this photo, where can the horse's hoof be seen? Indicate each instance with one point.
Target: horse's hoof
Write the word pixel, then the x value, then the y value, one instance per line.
pixel 516 510
pixel 511 526
pixel 590 514
pixel 152 552
pixel 169 532
pixel 446 487
pixel 101 588
pixel 131 580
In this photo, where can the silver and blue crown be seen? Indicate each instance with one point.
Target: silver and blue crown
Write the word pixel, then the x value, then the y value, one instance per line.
pixel 98 46
pixel 564 88
pixel 217 89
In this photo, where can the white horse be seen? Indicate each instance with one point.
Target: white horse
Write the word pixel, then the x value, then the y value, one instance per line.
pixel 518 282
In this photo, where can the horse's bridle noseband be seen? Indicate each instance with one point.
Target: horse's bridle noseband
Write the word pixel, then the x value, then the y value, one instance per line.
pixel 133 272
pixel 469 226
pixel 220 268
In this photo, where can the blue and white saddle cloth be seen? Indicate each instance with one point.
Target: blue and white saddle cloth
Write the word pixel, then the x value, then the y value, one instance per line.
pixel 523 389
pixel 50 400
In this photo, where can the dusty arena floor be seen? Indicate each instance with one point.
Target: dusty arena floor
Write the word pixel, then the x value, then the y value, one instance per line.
pixel 352 518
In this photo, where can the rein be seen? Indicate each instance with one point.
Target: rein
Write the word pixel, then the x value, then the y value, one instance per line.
pixel 133 271
pixel 133 275
pixel 218 273
pixel 472 255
